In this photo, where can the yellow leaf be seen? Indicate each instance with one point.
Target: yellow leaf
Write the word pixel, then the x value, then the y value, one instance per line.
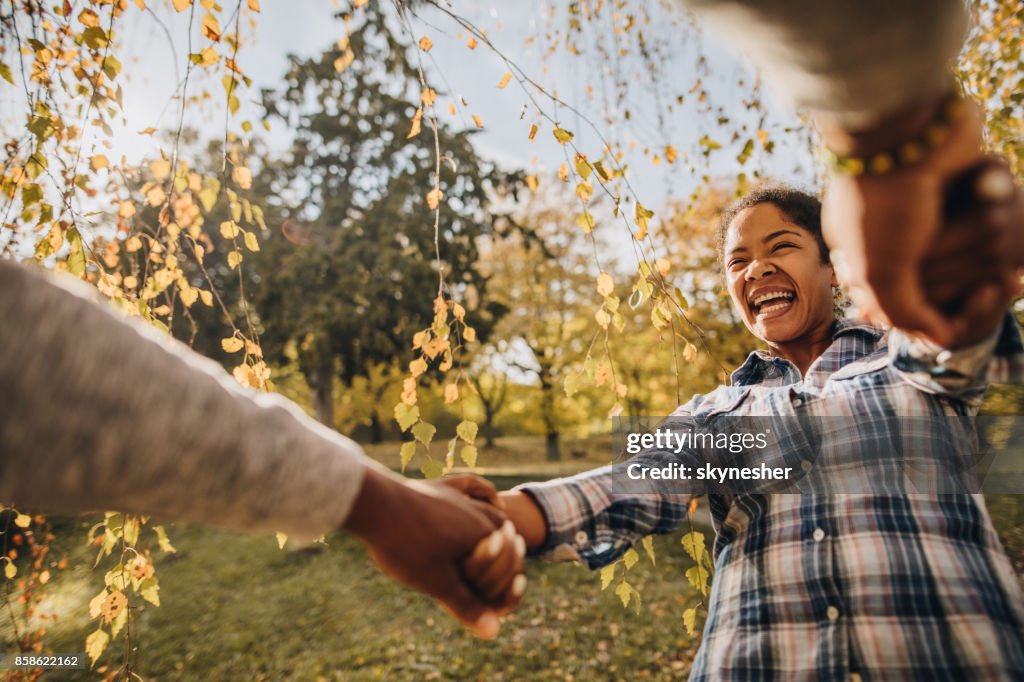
pixel 208 56
pixel 584 190
pixel 690 621
pixel 407 452
pixel 671 154
pixel 10 570
pixel 251 243
pixel 469 454
pixel 417 118
pixel 466 430
pixel 424 433
pixel 504 80
pixel 234 258
pixel 469 334
pixel 243 177
pixel 22 520
pixel 603 318
pixel 648 543
pixel 160 168
pixel 563 136
pixel 211 27
pixel 563 172
pixel 162 540
pixel 451 394
pixel 663 266
pixel 206 297
pixel 113 605
pixel 99 161
pixel 126 209
pixel 471 43
pixel 89 18
pixel 188 296
pixel 693 543
pixel 624 592
pixel 406 415
pixel 607 576
pixel 182 5
pixel 690 352
pixel 417 367
pixel 630 558
pixel 229 229
pixel 477 121
pixel 531 182
pixel 585 221
pixel 605 284
pixel 254 5
pixel 426 43
pixel 533 132
pixel 96 643
pixel 232 344
pixel 434 198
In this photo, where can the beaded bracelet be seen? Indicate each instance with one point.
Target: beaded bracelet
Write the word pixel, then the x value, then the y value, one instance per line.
pixel 907 153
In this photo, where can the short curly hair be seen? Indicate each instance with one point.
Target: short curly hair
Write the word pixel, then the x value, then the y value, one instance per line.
pixel 803 208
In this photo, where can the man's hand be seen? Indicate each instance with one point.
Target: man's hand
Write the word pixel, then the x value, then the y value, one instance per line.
pixel 419 533
pixel 971 273
pixel 881 228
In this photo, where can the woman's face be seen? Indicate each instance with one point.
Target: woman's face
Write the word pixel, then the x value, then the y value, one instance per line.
pixel 775 276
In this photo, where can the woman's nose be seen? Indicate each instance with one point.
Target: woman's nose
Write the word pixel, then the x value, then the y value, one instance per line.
pixel 759 268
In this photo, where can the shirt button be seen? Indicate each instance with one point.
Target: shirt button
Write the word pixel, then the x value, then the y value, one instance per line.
pixel 582 538
pixel 797 402
pixel 818 535
pixel 832 613
pixel 805 465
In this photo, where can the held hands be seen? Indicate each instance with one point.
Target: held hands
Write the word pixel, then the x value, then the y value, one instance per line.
pixel 424 534
pixel 932 248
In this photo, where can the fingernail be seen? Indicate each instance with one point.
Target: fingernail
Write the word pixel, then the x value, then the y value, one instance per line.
pixel 494 543
pixel 509 529
pixel 520 546
pixel 519 585
pixel 487 626
pixel 995 185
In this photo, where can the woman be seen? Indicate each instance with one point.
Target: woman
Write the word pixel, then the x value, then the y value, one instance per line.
pixel 814 587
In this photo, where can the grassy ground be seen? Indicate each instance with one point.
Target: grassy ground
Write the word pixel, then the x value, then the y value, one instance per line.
pixel 236 607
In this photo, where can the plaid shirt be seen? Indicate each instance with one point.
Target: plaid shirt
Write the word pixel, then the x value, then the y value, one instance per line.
pixel 835 587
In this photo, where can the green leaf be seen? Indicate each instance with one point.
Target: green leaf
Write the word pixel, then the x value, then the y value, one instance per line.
pixel 31 194
pixel 95 644
pixel 698 577
pixel 466 430
pixel 407 452
pixel 572 385
pixel 607 576
pixel 76 256
pixel 150 590
pixel 693 543
pixel 563 136
pixel 131 530
pixel 119 622
pixel 406 415
pixel 95 37
pixel 5 73
pixel 584 168
pixel 469 456
pixel 424 433
pixel 690 621
pixel 111 66
pixel 433 469
pixel 630 558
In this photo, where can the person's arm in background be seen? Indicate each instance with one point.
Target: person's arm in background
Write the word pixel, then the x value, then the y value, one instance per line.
pixel 874 75
pixel 101 412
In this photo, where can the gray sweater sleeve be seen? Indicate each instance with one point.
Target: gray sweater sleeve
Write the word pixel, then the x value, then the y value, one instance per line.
pixel 101 412
pixel 853 60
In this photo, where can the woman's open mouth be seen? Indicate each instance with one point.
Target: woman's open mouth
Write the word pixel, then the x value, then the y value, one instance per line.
pixel 769 304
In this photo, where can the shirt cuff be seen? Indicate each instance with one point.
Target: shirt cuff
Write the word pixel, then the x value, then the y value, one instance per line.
pixel 570 511
pixel 954 368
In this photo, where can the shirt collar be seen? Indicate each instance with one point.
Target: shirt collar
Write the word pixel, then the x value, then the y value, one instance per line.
pixel 761 366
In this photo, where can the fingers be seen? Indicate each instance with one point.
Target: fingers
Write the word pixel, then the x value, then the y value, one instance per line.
pixel 467 608
pixel 475 487
pixel 495 568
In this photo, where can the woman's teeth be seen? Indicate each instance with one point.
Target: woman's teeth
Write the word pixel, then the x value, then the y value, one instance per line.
pixel 783 303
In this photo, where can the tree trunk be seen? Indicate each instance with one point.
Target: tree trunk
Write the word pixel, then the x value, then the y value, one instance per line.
pixel 552 440
pixel 376 429
pixel 547 406
pixel 325 392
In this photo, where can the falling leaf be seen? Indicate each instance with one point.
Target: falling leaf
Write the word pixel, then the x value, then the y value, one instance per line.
pixel 426 43
pixel 533 132
pixel 99 161
pixel 671 154
pixel 504 80
pixel 254 5
pixel 471 43
pixel 477 121
pixel 211 27
pixel 531 182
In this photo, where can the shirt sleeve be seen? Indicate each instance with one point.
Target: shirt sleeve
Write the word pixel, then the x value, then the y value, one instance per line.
pixel 102 412
pixel 587 519
pixel 855 61
pixel 963 373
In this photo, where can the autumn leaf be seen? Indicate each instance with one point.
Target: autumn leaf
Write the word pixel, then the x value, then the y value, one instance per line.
pixel 211 27
pixel 182 5
pixel 426 43
pixel 407 452
pixel 417 119
pixel 406 415
pixel 479 123
pixel 471 43
pixel 250 242
pixel 690 621
pixel 466 430
pixel 563 136
pixel 434 198
pixel 242 177
pixel 424 433
pixel 229 229
pixel 584 190
pixel 96 643
pixel 469 455
pixel 605 284
pixel 234 259
pixel 254 5
pixel 533 132
pixel 607 576
pixel 624 591
pixel 22 520
pixel 504 80
pixel 585 221
pixel 451 394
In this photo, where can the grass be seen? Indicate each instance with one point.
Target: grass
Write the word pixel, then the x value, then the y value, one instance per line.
pixel 237 607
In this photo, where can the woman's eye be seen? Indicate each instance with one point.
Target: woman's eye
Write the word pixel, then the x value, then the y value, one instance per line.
pixel 783 245
pixel 736 262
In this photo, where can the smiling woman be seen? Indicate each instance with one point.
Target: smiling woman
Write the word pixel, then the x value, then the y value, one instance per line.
pixel 777 271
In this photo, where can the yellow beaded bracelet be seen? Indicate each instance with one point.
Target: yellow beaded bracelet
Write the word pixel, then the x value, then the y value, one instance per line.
pixel 907 153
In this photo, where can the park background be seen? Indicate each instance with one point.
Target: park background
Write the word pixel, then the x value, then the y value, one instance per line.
pixel 466 235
